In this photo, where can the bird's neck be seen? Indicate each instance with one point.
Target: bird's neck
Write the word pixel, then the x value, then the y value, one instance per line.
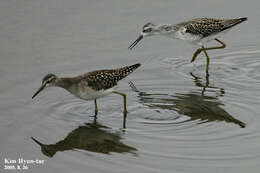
pixel 65 83
pixel 166 29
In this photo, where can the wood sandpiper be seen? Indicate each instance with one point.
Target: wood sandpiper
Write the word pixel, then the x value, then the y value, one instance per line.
pixel 198 31
pixel 92 85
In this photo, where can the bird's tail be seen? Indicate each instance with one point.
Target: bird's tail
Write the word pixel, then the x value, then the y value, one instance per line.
pixel 242 19
pixel 125 71
pixel 232 22
pixel 239 20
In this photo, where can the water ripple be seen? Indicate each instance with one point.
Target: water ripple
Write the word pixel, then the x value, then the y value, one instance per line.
pixel 208 119
pixel 185 116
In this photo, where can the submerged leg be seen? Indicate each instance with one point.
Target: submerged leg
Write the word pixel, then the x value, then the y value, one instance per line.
pixel 207 66
pixel 124 96
pixel 198 51
pixel 96 108
pixel 124 120
pixel 125 111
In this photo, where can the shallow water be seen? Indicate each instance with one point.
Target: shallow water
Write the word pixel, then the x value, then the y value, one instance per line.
pixel 179 120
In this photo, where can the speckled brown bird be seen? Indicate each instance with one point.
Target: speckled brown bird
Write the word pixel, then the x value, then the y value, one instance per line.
pixel 92 85
pixel 197 31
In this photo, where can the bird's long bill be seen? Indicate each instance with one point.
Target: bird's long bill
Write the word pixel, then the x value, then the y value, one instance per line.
pixel 135 42
pixel 39 90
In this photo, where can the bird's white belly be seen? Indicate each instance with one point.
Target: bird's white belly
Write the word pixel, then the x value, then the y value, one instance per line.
pixel 195 39
pixel 90 94
pixel 182 35
pixel 204 40
pixel 187 36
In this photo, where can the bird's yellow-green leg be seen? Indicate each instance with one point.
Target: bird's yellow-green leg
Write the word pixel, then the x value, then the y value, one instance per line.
pixel 207 56
pixel 124 96
pixel 217 47
pixel 125 110
pixel 196 54
pixel 96 108
pixel 198 51
pixel 124 120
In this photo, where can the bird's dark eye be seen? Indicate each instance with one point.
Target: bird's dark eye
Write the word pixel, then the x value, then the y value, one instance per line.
pixel 147 30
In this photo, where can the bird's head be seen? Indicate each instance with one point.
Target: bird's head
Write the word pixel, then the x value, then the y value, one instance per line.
pixel 47 81
pixel 148 29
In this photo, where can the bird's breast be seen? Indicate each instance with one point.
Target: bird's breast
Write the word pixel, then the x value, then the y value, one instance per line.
pixel 183 35
pixel 87 93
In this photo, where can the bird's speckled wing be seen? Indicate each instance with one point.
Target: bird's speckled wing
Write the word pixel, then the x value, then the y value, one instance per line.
pixel 105 79
pixel 209 26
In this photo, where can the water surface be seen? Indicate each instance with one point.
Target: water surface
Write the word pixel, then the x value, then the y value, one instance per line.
pixel 179 120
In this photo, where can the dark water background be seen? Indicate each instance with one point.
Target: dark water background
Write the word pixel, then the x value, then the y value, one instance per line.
pixel 178 121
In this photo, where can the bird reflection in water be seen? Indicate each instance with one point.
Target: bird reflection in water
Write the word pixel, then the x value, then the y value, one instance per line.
pixel 91 137
pixel 196 105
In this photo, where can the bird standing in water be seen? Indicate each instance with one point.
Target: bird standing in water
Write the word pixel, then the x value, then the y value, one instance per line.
pixel 92 85
pixel 197 31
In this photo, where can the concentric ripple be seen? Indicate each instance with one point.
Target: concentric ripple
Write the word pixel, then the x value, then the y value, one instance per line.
pixel 181 117
pixel 71 109
pixel 205 119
